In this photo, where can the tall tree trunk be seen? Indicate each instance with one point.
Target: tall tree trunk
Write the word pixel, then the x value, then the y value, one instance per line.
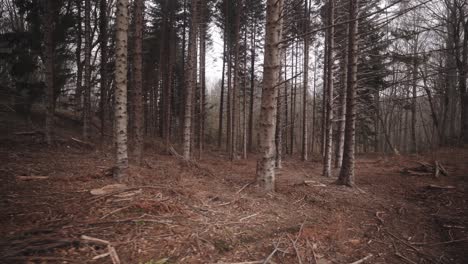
pixel 342 110
pixel 87 117
pixel 79 64
pixel 49 70
pixel 190 80
pixel 244 101
pixel 201 132
pixel 252 84
pixel 306 83
pixel 329 100
pixel 314 110
pixel 104 70
pixel 266 168
pixel 346 176
pixel 463 74
pixel 235 89
pixel 137 82
pixel 279 130
pixel 414 147
pixel 120 110
pixel 221 97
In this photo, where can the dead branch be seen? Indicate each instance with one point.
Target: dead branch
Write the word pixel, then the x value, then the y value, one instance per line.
pixel 31 178
pixel 84 143
pixel 363 259
pixel 95 240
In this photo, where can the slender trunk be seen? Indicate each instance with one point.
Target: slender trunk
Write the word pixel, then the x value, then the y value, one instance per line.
pixel 120 111
pixel 244 101
pixel 221 97
pixel 79 64
pixel 252 85
pixel 342 107
pixel 104 72
pixel 190 80
pixel 235 89
pixel 329 100
pixel 346 176
pixel 306 84
pixel 278 132
pixel 266 168
pixel 137 82
pixel 414 69
pixel 314 110
pixel 87 117
pixel 49 70
pixel 201 132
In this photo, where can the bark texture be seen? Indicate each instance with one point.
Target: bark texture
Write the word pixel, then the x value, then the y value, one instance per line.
pixel 346 176
pixel 137 82
pixel 120 111
pixel 271 70
pixel 190 80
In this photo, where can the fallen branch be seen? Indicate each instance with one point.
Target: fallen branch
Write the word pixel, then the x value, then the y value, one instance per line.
pixel 432 186
pixel 31 178
pixel 95 240
pixel 87 144
pixel 440 243
pixel 270 256
pixel 363 259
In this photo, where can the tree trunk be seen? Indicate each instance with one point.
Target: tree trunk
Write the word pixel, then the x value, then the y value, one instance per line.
pixel 201 131
pixel 120 111
pixel 342 110
pixel 235 89
pixel 414 146
pixel 346 176
pixel 79 64
pixel 329 100
pixel 87 117
pixel 137 82
pixel 49 70
pixel 266 168
pixel 221 97
pixel 103 71
pixel 306 83
pixel 190 80
pixel 463 72
pixel 252 85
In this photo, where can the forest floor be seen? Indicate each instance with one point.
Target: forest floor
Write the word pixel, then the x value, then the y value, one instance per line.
pixel 211 211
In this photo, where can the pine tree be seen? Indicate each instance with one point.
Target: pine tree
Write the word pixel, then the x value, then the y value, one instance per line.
pixel 266 163
pixel 137 82
pixel 120 111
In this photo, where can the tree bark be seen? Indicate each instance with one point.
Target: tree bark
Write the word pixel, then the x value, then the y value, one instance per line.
pixel 120 171
pixel 342 110
pixel 87 117
pixel 329 100
pixel 306 83
pixel 252 84
pixel 190 80
pixel 104 70
pixel 266 169
pixel 49 70
pixel 346 176
pixel 137 82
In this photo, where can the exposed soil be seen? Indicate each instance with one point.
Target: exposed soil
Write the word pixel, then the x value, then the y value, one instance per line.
pixel 212 211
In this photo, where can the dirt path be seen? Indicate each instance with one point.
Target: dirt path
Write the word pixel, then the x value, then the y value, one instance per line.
pixel 213 213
